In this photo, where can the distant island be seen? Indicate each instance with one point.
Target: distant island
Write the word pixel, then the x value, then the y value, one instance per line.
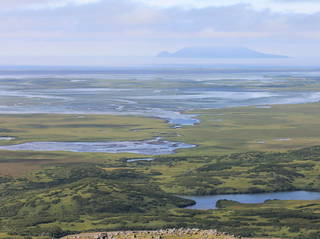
pixel 218 52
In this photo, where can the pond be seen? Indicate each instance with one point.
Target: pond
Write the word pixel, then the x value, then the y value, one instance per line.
pixel 6 138
pixel 137 160
pixel 209 202
pixel 147 147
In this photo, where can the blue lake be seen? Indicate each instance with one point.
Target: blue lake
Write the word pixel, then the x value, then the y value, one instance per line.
pixel 209 202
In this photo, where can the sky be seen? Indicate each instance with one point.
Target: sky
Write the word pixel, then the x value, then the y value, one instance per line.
pixel 88 31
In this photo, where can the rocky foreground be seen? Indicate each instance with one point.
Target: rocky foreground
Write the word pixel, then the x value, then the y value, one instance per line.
pixel 160 234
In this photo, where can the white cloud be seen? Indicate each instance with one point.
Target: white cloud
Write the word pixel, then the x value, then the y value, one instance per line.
pixel 105 26
pixel 112 18
pixel 40 4
pixel 297 6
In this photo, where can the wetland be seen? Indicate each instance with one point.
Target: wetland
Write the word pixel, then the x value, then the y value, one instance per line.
pixel 110 150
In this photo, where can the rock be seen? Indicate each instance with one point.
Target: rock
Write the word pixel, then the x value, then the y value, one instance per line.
pixel 180 233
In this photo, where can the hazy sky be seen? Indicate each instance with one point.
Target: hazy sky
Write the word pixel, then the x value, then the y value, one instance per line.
pixel 74 29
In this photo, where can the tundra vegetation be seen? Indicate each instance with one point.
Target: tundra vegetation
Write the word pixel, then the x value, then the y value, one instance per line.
pixel 240 150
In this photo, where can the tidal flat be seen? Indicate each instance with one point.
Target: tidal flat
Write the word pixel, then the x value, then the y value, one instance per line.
pixel 160 94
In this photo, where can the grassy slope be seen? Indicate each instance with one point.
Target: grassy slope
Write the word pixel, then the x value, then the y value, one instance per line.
pixel 237 173
pixel 80 198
